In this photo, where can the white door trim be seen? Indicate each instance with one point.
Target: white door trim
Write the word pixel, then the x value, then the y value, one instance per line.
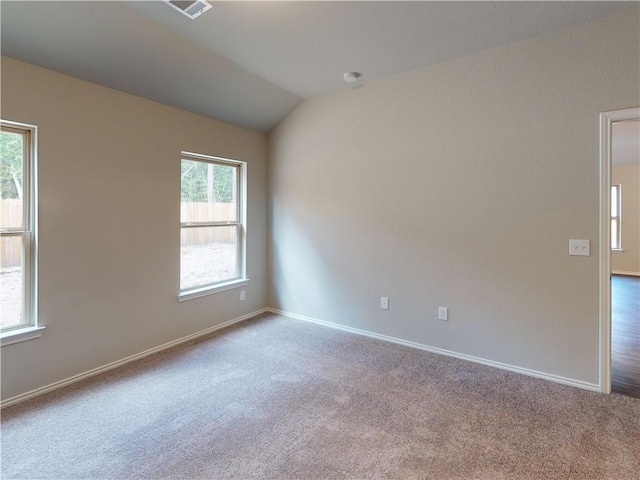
pixel 607 119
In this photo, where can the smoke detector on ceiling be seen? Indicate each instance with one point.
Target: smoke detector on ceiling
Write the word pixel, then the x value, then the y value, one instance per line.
pixel 191 8
pixel 351 77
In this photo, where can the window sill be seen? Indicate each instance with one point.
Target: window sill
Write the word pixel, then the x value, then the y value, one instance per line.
pixel 204 291
pixel 20 335
pixel 617 250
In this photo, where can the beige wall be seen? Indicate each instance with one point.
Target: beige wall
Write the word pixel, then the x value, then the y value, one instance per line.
pixel 629 177
pixel 458 185
pixel 109 223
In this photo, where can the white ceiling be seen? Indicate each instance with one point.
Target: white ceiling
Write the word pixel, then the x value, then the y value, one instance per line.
pixel 251 63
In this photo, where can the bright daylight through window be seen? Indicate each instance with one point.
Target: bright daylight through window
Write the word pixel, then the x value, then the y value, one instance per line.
pixel 212 221
pixel 17 226
pixel 616 226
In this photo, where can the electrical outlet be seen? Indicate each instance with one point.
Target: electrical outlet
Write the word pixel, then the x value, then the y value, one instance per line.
pixel 384 303
pixel 243 295
pixel 443 313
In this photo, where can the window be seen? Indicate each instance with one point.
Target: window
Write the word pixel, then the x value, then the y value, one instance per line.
pixel 212 224
pixel 17 228
pixel 616 210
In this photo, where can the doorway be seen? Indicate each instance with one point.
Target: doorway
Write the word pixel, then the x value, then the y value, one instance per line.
pixel 620 252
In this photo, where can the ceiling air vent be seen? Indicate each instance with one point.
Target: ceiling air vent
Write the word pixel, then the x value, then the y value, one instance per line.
pixel 190 8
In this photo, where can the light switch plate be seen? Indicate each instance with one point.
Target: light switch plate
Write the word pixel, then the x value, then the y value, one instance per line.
pixel 580 247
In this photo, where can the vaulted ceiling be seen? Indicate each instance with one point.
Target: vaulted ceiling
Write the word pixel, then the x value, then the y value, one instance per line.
pixel 251 63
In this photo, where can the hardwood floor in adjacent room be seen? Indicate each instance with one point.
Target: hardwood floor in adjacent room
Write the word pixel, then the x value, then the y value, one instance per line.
pixel 625 335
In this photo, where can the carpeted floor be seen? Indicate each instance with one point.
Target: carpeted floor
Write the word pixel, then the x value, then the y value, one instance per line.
pixel 276 398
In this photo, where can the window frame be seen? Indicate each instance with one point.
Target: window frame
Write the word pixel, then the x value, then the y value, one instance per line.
pixel 29 329
pixel 240 224
pixel 617 218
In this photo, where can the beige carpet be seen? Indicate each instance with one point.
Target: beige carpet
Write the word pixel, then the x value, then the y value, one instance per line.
pixel 279 398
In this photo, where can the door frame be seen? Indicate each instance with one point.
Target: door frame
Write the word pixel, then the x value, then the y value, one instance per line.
pixel 607 119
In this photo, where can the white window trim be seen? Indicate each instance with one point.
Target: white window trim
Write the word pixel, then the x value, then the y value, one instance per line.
pixel 242 280
pixel 32 330
pixel 20 335
pixel 208 290
pixel 618 218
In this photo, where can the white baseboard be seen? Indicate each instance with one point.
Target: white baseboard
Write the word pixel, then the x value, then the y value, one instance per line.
pixel 622 272
pixel 118 363
pixel 503 366
pixel 76 378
